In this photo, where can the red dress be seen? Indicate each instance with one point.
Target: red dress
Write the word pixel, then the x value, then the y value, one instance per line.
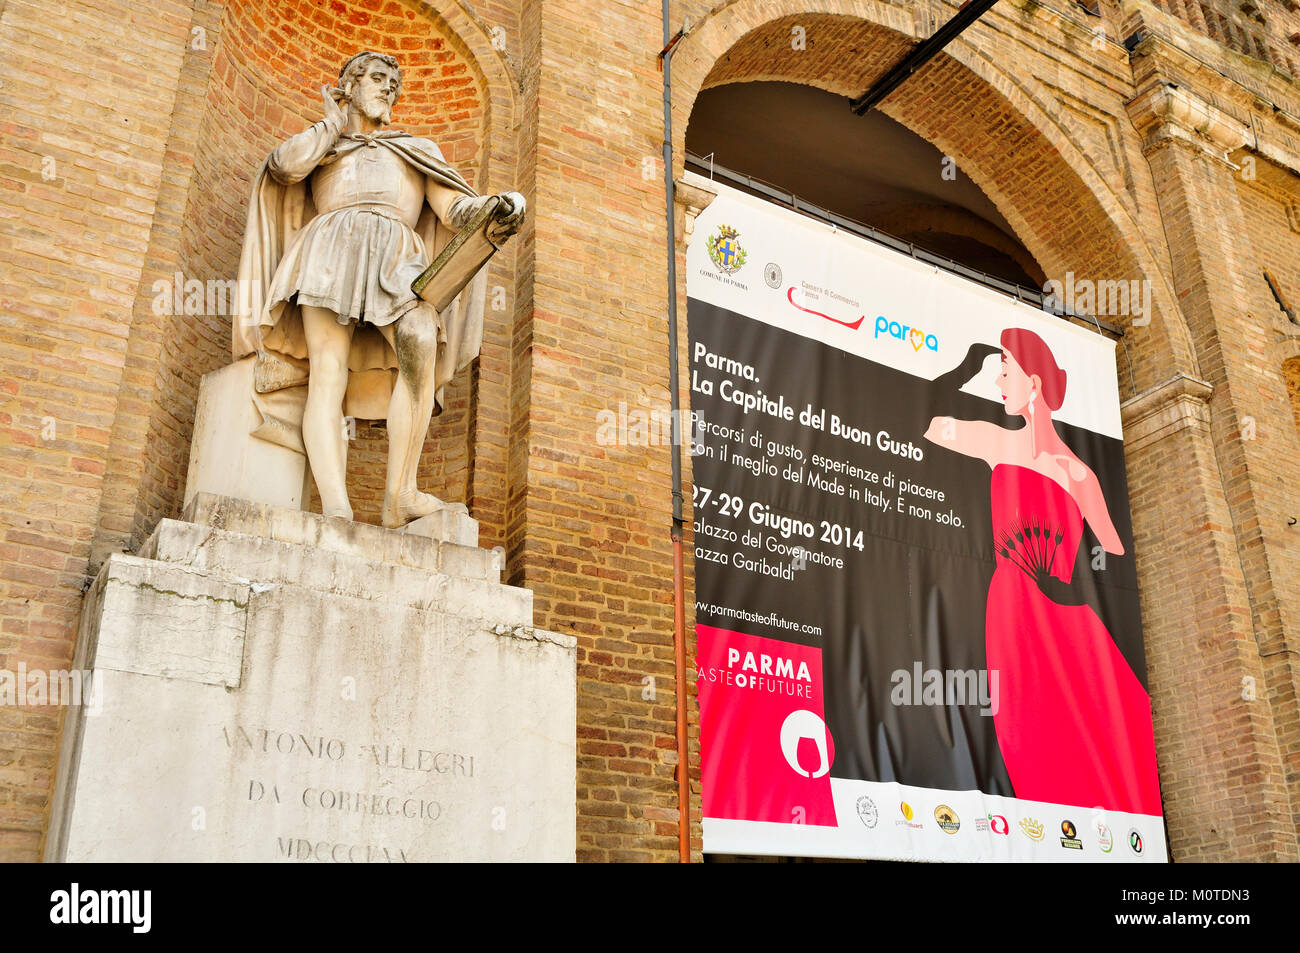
pixel 1073 721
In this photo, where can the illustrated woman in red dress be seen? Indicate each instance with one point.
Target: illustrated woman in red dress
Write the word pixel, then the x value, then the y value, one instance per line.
pixel 1073 721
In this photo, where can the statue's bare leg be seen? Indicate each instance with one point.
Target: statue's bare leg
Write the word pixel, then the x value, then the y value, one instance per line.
pixel 328 344
pixel 414 338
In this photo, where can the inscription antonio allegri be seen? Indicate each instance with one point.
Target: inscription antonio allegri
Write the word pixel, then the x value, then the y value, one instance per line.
pixel 323 801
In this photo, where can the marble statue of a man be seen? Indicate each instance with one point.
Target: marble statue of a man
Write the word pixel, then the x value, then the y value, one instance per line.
pixel 343 217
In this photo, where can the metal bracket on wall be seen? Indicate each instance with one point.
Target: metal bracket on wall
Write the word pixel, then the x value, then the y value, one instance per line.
pixel 1277 296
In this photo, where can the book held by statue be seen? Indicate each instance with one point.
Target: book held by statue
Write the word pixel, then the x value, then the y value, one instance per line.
pixel 460 260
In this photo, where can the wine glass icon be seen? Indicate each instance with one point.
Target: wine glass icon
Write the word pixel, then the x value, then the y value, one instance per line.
pixel 804 742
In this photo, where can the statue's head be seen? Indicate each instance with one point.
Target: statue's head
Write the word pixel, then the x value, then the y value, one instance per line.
pixel 372 82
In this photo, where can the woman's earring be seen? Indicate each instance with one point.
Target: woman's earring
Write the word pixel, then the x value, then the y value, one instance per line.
pixel 1032 395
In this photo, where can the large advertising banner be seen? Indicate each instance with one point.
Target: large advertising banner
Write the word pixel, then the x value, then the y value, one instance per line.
pixel 917 616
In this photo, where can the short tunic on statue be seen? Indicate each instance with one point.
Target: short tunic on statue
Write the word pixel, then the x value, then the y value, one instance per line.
pixel 357 257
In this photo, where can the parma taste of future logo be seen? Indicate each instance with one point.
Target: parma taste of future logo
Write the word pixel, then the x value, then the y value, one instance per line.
pixel 725 250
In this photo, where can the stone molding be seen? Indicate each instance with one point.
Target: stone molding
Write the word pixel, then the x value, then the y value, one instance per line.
pixel 1166 111
pixel 694 194
pixel 1252 92
pixel 1164 410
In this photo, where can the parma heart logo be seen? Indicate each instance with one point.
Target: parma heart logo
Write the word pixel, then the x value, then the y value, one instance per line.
pixel 917 337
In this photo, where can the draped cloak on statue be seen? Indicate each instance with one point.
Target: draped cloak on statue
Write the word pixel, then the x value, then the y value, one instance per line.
pixel 273 331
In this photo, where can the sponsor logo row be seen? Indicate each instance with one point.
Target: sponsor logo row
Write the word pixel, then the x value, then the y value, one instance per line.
pixel 947 820
pixel 729 256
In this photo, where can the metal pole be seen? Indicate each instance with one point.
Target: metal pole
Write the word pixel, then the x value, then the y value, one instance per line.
pixel 924 51
pixel 678 430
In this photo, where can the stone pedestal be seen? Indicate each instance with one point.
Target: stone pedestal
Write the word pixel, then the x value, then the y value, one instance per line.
pixel 227 460
pixel 280 686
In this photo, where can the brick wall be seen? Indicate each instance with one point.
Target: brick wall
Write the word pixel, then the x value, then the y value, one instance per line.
pixel 596 550
pixel 86 99
pixel 1054 148
pixel 1270 200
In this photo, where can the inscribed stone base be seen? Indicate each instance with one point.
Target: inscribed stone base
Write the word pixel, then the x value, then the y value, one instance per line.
pixel 280 686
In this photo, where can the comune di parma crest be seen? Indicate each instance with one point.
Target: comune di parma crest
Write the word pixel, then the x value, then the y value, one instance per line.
pixel 725 250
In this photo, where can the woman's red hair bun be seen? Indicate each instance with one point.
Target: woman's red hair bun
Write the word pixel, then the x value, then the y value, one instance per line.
pixel 1035 358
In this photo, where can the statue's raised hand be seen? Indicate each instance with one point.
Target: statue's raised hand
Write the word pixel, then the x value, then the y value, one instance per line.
pixel 335 117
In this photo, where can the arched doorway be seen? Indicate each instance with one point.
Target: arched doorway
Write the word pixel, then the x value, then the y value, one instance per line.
pixel 869 169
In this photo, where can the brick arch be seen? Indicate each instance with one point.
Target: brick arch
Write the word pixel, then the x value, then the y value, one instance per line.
pixel 914 218
pixel 499 88
pixel 254 81
pixel 1031 168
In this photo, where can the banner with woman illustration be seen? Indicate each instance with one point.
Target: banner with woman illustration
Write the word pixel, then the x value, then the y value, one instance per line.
pixel 917 624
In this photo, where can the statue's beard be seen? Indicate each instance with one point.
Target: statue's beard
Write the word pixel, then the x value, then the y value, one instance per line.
pixel 376 109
